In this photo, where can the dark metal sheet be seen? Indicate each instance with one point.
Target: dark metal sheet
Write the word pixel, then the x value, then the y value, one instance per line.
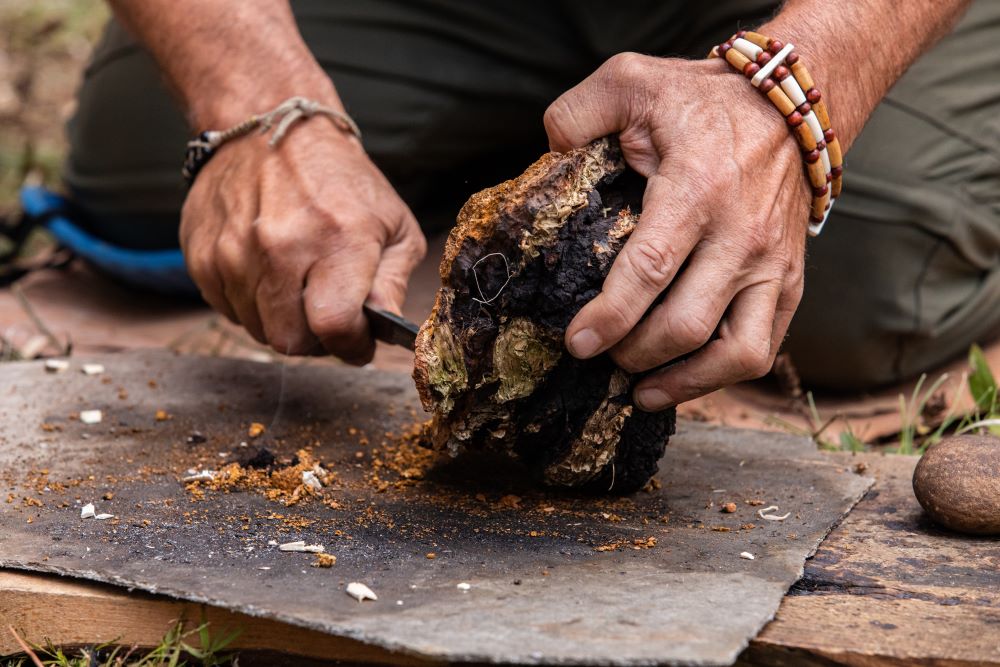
pixel 540 592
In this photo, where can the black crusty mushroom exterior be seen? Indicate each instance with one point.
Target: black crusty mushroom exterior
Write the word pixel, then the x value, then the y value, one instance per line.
pixel 491 365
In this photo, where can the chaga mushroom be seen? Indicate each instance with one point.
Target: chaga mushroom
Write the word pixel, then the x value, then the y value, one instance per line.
pixel 491 365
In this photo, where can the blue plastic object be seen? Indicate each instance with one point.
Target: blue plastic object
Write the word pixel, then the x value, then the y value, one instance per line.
pixel 158 270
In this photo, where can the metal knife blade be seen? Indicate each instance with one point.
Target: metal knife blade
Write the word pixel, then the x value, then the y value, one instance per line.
pixel 390 328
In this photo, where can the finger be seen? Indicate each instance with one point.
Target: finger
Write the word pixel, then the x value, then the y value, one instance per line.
pixel 284 254
pixel 742 351
pixel 688 315
pixel 596 107
pixel 239 272
pixel 668 230
pixel 198 248
pixel 788 302
pixel 399 258
pixel 336 287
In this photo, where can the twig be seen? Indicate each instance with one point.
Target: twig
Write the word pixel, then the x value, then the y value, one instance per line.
pixel 25 647
pixel 36 320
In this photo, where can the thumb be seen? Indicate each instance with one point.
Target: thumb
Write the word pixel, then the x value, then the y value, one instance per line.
pixel 597 106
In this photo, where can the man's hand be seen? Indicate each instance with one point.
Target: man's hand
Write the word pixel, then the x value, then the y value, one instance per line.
pixel 290 241
pixel 726 207
pixel 723 224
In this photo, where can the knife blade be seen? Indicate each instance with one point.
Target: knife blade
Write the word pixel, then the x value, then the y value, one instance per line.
pixel 391 328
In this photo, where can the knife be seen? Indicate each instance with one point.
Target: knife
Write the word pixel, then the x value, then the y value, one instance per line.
pixel 391 328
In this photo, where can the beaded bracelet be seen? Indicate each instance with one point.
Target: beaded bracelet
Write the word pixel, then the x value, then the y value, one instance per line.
pixel 776 70
pixel 201 149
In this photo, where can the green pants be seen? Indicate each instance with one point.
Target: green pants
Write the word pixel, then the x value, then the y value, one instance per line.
pixel 450 95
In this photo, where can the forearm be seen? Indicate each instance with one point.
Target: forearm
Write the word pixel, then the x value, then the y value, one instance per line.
pixel 227 60
pixel 857 50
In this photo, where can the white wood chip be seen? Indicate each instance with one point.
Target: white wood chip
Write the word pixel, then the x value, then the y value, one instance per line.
pixel 92 369
pixel 464 587
pixel 763 514
pixel 301 546
pixel 91 416
pixel 87 511
pixel 310 479
pixel 360 592
pixel 102 517
pixel 56 365
pixel 746 555
pixel 200 476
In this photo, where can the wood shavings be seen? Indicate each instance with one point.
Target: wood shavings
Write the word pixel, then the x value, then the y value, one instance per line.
pixel 746 555
pixel 91 416
pixel 763 514
pixel 92 369
pixel 360 592
pixel 324 560
pixel 162 416
pixel 199 476
pixel 301 546
pixel 56 365
pixel 87 511
pixel 103 517
pixel 728 508
pixel 464 587
pixel 256 430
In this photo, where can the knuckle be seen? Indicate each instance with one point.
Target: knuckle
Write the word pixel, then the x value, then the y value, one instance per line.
pixel 692 331
pixel 275 238
pixel 616 319
pixel 555 114
pixel 651 262
pixel 228 255
pixel 627 65
pixel 753 358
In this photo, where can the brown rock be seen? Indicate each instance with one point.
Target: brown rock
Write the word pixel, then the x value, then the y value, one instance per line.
pixel 958 484
pixel 491 365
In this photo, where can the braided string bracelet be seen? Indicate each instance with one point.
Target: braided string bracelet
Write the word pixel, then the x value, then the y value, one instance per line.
pixel 776 70
pixel 201 149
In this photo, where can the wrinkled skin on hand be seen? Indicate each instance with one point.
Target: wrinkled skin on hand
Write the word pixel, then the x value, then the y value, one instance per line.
pixel 290 241
pixel 724 221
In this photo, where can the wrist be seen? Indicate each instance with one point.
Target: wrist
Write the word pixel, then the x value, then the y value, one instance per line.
pixel 235 96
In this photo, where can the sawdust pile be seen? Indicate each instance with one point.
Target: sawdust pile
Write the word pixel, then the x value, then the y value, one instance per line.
pixel 285 484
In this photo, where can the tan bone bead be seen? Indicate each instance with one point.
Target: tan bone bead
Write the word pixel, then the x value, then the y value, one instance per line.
pixel 836 185
pixel 801 75
pixel 836 155
pixel 821 113
pixel 736 59
pixel 805 137
pixel 780 99
pixel 758 39
pixel 817 175
pixel 819 205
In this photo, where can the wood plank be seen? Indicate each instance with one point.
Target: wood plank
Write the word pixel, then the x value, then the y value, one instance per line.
pixel 888 587
pixel 71 613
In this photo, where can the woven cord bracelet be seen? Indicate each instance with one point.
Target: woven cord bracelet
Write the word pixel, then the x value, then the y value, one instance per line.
pixel 776 70
pixel 201 149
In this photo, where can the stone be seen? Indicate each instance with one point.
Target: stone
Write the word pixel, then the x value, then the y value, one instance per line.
pixel 957 482
pixel 491 364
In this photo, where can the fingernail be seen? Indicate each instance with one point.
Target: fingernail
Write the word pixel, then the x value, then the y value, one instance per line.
pixel 652 400
pixel 584 343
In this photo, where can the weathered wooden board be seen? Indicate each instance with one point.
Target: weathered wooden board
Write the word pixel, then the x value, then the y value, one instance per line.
pixel 888 587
